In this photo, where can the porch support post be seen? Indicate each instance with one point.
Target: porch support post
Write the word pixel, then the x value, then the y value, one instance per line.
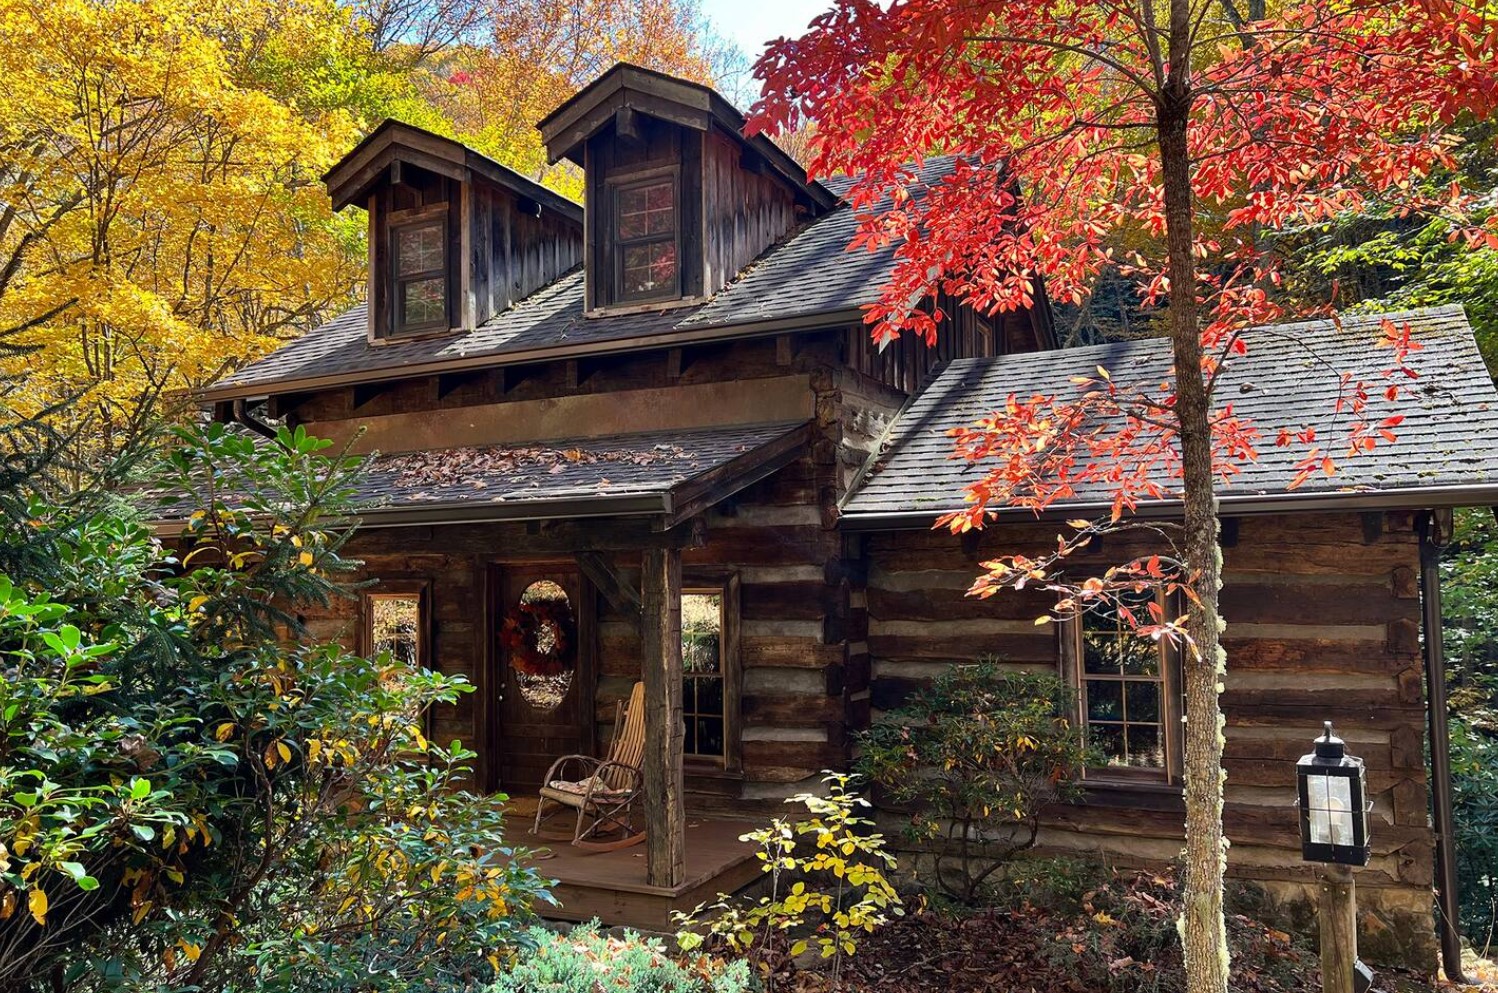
pixel 660 622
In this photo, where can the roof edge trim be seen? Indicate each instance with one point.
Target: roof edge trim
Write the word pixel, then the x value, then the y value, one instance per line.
pixel 1232 505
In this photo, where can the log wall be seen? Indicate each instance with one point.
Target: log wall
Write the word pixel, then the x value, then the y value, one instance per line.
pixel 1323 620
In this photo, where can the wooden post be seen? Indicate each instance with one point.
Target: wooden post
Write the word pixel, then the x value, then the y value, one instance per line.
pixel 660 623
pixel 1339 928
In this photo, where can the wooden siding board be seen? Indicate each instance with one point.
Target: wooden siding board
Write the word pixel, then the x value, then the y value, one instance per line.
pixel 1320 624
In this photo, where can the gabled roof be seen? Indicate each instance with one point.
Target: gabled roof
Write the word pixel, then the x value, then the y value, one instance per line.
pixel 354 175
pixel 1446 452
pixel 810 280
pixel 630 88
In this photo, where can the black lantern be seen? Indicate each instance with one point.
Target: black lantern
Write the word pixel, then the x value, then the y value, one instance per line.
pixel 1333 805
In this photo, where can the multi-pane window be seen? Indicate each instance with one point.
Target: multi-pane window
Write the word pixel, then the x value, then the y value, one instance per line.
pixel 703 674
pixel 419 252
pixel 645 231
pixel 1129 693
pixel 393 624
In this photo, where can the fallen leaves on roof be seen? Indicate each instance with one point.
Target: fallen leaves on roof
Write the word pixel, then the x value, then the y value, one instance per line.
pixel 479 466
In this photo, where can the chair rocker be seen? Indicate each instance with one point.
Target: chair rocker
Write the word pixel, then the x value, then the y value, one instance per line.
pixel 602 791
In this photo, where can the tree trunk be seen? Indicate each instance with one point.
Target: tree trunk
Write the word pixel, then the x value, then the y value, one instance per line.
pixel 1203 931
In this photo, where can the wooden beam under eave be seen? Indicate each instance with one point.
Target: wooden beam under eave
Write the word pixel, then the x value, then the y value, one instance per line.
pixel 660 643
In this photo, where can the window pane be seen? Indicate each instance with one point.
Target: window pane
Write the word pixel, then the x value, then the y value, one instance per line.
pixel 647 210
pixel 1146 747
pixel 1098 653
pixel 395 627
pixel 1104 700
pixel 1139 656
pixel 649 268
pixel 709 736
pixel 689 742
pixel 689 696
pixel 424 301
pixel 1144 701
pixel 1108 739
pixel 709 695
pixel 701 631
pixel 418 249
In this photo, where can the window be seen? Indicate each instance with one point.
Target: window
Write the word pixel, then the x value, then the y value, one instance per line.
pixel 419 254
pixel 710 673
pixel 395 622
pixel 702 695
pixel 645 233
pixel 1129 694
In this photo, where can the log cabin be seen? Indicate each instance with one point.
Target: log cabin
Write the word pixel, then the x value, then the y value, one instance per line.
pixel 655 422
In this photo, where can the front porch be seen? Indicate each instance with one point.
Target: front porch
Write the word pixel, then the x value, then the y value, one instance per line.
pixel 611 886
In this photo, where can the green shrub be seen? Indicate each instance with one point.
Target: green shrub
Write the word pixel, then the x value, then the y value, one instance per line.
pixel 974 759
pixel 824 895
pixel 585 961
pixel 193 795
pixel 1474 782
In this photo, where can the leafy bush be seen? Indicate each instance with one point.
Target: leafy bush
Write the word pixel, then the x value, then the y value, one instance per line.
pixel 835 889
pixel 975 758
pixel 1469 603
pixel 585 961
pixel 191 797
pixel 1474 781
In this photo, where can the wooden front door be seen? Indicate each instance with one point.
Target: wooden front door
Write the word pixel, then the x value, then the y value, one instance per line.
pixel 541 631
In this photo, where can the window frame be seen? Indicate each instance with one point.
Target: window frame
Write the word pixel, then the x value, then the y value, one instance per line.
pixel 725 585
pixel 433 217
pixel 398 589
pixel 617 185
pixel 1172 708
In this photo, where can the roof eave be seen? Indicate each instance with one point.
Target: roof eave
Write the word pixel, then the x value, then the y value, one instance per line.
pixel 351 178
pixel 658 504
pixel 671 338
pixel 1230 504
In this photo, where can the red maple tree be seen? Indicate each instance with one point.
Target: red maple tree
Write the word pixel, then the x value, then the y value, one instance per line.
pixel 1185 130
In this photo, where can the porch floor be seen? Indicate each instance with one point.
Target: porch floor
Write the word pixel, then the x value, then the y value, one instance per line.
pixel 611 885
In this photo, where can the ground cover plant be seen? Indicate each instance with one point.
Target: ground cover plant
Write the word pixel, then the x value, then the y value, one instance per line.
pixel 584 960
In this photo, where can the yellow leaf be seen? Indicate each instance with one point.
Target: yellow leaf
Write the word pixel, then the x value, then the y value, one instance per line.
pixel 1041 621
pixel 36 902
pixel 224 731
pixel 305 558
pixel 284 752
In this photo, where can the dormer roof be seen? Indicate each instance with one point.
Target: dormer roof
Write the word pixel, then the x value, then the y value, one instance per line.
pixel 627 90
pixel 395 143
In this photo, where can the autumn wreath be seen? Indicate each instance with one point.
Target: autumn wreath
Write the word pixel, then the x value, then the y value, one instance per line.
pixel 538 636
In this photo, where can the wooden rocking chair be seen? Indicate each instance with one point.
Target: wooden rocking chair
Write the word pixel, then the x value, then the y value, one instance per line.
pixel 602 791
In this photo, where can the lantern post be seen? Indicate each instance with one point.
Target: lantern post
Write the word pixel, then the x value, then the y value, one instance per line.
pixel 1333 793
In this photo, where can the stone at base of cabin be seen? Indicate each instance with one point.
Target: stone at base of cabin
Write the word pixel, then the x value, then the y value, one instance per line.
pixel 1396 927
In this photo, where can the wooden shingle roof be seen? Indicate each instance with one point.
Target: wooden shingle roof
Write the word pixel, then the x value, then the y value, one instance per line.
pixel 1446 452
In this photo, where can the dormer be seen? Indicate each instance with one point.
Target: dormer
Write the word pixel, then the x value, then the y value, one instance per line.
pixel 454 237
pixel 678 199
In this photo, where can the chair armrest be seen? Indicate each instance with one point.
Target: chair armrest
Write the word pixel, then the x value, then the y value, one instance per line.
pixel 636 778
pixel 589 763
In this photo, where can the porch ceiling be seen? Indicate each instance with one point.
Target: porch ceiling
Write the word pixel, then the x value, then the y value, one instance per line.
pixel 672 475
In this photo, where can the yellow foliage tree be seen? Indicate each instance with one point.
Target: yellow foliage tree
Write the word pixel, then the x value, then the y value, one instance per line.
pixel 161 215
pixel 161 211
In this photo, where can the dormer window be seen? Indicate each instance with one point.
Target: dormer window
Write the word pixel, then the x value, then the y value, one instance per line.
pixel 419 251
pixel 647 249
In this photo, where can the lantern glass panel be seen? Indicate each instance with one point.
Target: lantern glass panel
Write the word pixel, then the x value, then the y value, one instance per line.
pixel 1331 810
